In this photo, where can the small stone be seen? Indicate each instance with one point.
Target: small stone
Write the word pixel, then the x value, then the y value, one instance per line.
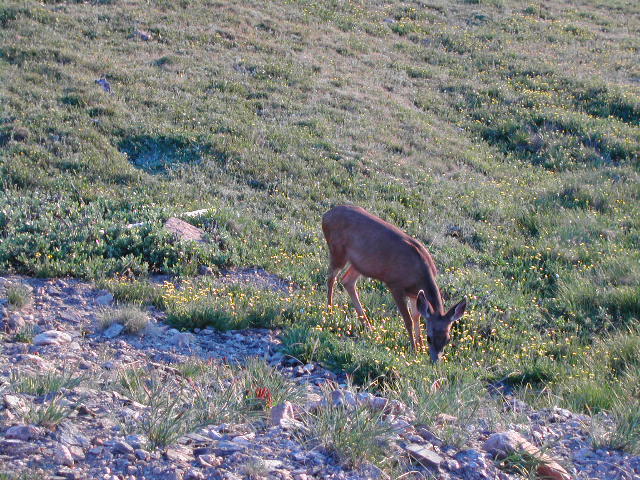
pixel 113 331
pixel 23 432
pixel 451 465
pixel 52 337
pixel 271 465
pixel 76 452
pixel 205 270
pixel 423 455
pixel 62 455
pixel 444 418
pixel 182 339
pixel 364 397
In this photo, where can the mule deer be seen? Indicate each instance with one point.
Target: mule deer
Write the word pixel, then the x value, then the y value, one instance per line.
pixel 376 249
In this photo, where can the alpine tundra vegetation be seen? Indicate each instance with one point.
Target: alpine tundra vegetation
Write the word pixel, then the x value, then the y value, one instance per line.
pixel 502 135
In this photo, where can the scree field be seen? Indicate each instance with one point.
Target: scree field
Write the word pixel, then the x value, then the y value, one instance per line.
pixel 503 135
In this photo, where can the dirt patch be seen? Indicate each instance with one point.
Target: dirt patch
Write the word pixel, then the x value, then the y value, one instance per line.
pixel 257 277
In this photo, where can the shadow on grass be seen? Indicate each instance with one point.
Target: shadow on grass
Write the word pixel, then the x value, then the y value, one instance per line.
pixel 159 154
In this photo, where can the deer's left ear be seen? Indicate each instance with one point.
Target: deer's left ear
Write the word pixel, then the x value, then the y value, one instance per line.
pixel 456 312
pixel 424 306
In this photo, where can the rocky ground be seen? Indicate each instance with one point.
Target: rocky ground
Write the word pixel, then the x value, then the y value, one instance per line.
pixel 90 442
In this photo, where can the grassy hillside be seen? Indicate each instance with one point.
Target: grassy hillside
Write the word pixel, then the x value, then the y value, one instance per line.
pixel 503 135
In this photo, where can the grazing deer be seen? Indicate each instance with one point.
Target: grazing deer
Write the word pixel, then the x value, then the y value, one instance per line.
pixel 376 249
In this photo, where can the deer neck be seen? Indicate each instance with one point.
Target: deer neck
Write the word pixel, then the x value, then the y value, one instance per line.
pixel 432 293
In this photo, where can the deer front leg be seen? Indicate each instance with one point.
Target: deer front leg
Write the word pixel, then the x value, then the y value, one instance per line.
pixel 415 320
pixel 401 301
pixel 349 280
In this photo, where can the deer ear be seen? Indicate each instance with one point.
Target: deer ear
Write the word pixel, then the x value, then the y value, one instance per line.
pixel 424 307
pixel 456 312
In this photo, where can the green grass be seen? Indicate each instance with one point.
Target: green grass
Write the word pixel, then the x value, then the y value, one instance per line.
pixel 44 383
pixel 504 136
pixel 48 414
pixel 18 295
pixel 352 436
pixel 134 319
pixel 204 393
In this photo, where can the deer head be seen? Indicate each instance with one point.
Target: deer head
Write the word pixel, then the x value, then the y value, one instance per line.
pixel 438 325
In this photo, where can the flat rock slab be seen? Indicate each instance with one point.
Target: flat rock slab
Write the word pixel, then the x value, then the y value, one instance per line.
pixel 227 448
pixel 184 231
pixel 505 443
pixel 113 331
pixel 423 455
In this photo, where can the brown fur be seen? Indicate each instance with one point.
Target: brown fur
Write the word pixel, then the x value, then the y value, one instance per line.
pixel 377 249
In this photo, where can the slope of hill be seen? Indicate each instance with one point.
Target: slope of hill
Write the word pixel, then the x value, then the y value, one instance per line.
pixel 504 136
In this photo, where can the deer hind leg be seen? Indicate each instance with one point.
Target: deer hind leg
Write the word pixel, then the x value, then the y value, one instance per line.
pixel 349 280
pixel 336 263
pixel 415 320
pixel 401 301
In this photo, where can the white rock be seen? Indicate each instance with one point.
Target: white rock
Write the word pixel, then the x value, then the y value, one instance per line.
pixel 106 299
pixel 423 455
pixel 62 455
pixel 52 337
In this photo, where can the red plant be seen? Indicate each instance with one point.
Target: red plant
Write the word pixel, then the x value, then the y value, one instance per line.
pixel 263 393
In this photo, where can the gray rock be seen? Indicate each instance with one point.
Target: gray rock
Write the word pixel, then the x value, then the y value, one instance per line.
pixel 136 441
pixel 350 399
pixel 228 448
pixel 378 403
pixel 113 331
pixel 337 398
pixel 120 446
pixel 194 474
pixel 23 432
pixel 182 339
pixel 177 453
pixel 471 459
pixel 14 322
pixel 52 337
pixel 142 454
